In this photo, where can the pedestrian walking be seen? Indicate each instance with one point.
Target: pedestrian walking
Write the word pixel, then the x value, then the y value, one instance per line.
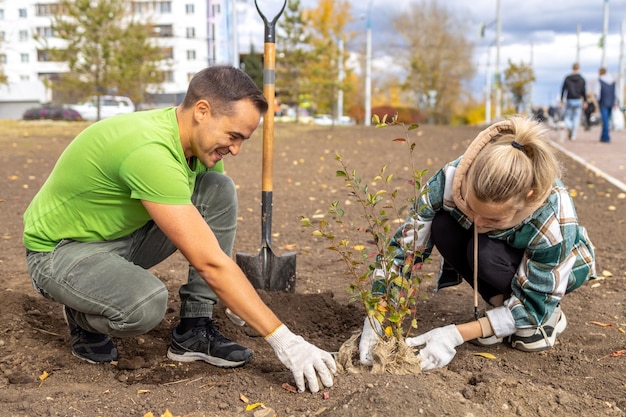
pixel 607 100
pixel 573 95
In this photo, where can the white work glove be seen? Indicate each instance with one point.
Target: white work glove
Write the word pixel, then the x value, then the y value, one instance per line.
pixel 369 340
pixel 439 346
pixel 303 359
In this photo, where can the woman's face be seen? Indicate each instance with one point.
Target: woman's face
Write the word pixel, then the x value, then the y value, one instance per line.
pixel 491 216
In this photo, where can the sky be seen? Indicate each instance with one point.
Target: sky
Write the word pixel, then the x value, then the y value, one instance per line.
pixel 537 32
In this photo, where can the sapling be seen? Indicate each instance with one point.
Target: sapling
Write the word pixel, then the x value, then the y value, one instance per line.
pixel 384 280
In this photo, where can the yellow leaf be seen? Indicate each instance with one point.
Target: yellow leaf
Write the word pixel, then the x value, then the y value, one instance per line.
pixel 167 413
pixel 359 247
pixel 43 376
pixel 573 193
pixel 485 355
pixel 148 414
pixel 607 274
pixel 389 331
pixel 253 406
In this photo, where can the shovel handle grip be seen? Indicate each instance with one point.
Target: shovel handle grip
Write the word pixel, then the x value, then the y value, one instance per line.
pixel 269 91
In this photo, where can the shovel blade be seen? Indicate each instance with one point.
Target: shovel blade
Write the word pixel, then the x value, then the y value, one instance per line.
pixel 269 272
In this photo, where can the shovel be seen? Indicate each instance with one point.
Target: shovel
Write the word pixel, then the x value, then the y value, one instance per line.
pixel 268 271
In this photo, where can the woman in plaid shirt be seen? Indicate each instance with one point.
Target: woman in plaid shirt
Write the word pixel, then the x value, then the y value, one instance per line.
pixel 505 190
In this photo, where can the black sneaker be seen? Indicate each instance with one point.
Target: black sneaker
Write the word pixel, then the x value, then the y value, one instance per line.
pixel 536 339
pixel 205 343
pixel 88 346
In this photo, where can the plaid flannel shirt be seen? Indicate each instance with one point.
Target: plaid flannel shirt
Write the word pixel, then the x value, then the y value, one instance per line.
pixel 558 258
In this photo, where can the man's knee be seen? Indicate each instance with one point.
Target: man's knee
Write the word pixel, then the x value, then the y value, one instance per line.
pixel 144 317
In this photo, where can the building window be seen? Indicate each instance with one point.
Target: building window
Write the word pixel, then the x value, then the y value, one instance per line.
pixel 24 58
pixel 162 31
pixel 191 55
pixel 22 13
pixel 44 55
pixel 44 31
pixel 24 77
pixel 165 7
pixel 167 52
pixel 3 59
pixel 2 36
pixel 46 9
pixel 168 76
pixel 191 33
pixel 190 9
pixel 23 34
pixel 1 14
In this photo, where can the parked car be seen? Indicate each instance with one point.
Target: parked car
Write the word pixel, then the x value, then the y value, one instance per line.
pixel 109 106
pixel 49 112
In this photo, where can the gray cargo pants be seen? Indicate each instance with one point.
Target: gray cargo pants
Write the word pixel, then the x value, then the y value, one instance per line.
pixel 108 282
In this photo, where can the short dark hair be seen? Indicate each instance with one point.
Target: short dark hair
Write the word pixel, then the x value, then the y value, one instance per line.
pixel 222 86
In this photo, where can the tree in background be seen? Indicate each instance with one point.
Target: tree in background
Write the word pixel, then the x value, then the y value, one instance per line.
pixel 327 25
pixel 106 51
pixel 437 57
pixel 291 47
pixel 517 80
pixel 252 64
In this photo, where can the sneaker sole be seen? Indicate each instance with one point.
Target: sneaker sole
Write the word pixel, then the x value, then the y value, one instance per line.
pixel 212 360
pixel 540 344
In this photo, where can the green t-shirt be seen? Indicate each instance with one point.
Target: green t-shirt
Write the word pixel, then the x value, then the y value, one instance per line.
pixel 95 188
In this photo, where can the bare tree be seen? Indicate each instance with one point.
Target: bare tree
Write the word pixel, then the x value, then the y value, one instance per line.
pixel 437 57
pixel 517 80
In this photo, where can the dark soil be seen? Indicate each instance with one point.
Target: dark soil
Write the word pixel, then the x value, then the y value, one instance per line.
pixel 578 377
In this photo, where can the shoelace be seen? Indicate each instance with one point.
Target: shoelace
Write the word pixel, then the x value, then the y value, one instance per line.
pixel 209 330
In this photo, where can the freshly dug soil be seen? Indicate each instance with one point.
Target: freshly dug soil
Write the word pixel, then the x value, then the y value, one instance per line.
pixel 583 375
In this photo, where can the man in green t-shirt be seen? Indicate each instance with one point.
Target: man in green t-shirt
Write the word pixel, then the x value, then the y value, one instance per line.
pixel 126 194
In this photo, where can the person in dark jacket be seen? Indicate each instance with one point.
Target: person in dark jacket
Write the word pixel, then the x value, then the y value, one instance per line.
pixel 607 99
pixel 573 94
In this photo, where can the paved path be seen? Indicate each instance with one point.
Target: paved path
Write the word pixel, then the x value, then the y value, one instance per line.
pixel 607 159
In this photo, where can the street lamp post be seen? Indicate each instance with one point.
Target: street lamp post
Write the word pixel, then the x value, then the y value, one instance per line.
pixel 498 77
pixel 368 68
pixel 605 31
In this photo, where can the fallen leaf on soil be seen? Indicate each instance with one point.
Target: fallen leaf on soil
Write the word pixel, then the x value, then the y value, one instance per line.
pixel 143 391
pixel 289 388
pixel 43 377
pixel 485 355
pixel 615 354
pixel 253 406
pixel 597 323
pixel 607 274
pixel 244 398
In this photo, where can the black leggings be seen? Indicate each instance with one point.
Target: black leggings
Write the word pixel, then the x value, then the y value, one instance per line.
pixel 497 261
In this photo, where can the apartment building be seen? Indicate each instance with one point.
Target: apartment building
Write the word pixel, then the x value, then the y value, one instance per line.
pixel 195 33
